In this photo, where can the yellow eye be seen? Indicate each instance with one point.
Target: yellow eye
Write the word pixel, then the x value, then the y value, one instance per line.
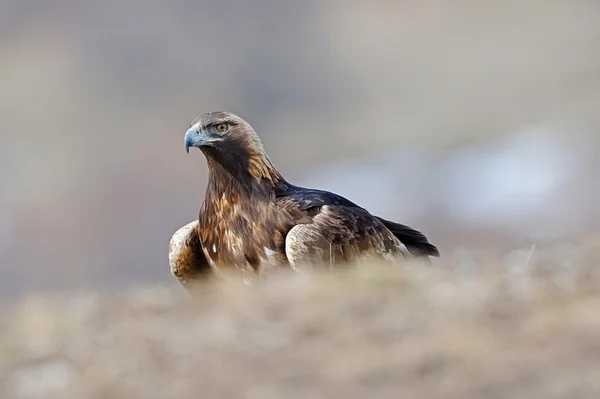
pixel 222 127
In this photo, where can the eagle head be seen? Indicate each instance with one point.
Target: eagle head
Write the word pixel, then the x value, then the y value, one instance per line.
pixel 231 142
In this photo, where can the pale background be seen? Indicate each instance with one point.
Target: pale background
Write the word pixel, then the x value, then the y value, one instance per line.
pixel 475 122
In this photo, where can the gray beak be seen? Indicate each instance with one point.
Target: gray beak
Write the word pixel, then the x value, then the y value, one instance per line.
pixel 194 137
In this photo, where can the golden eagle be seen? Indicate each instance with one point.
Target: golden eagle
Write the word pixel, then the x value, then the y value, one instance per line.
pixel 252 219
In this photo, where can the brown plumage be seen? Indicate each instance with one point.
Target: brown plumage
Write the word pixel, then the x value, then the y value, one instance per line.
pixel 252 219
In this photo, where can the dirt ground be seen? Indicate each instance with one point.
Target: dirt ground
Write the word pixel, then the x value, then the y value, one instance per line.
pixel 525 325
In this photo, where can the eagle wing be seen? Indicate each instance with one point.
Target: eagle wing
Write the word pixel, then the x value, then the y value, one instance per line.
pixel 186 258
pixel 340 234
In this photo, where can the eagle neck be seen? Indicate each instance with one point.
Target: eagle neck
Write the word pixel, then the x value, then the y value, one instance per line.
pixel 223 183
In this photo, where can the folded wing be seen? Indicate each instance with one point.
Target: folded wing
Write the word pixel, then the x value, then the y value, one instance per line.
pixel 186 258
pixel 340 234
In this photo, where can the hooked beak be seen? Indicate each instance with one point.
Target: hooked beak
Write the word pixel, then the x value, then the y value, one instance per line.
pixel 190 138
pixel 195 137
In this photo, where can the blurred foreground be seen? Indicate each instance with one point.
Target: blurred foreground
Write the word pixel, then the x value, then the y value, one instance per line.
pixel 525 326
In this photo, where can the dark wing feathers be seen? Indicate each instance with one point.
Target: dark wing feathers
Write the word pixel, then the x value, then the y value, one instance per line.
pixel 311 200
pixel 339 234
pixel 307 198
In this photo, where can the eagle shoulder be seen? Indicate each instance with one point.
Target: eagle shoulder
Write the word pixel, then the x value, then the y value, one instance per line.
pixel 186 258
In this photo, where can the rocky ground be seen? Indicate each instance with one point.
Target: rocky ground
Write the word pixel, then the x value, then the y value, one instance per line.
pixel 520 326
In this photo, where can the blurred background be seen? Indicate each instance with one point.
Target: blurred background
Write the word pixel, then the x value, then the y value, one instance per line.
pixel 475 122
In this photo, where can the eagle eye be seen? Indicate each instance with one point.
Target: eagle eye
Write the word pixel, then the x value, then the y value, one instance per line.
pixel 222 127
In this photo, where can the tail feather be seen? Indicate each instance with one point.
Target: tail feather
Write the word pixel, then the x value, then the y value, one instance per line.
pixel 414 240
